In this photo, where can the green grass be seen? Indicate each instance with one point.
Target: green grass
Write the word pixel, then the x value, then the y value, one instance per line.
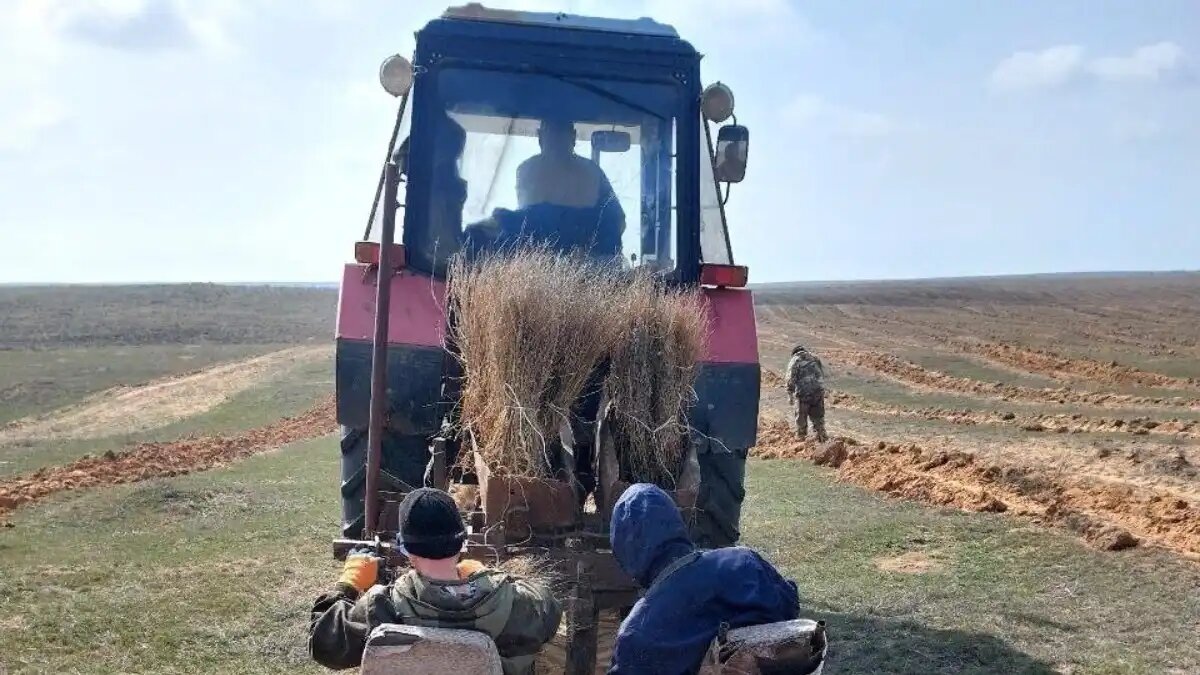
pixel 214 572
pixel 34 381
pixel 288 393
pixel 1009 598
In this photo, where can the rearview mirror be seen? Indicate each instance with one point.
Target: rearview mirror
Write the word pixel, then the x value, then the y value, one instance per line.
pixel 610 141
pixel 733 147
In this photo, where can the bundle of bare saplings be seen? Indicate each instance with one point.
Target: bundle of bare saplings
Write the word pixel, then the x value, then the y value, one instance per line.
pixel 532 328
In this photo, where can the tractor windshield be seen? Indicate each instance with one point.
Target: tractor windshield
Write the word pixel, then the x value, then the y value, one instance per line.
pixel 570 163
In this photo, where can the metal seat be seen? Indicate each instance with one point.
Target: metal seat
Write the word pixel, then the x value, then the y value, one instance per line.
pixel 785 648
pixel 396 649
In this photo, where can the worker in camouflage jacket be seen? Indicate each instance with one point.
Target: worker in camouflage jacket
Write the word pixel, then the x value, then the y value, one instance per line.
pixel 806 392
pixel 440 591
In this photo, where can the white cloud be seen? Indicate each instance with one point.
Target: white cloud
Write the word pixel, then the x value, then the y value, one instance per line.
pixel 1056 67
pixel 133 25
pixel 1047 69
pixel 815 113
pixel 153 26
pixel 45 44
pixel 1150 63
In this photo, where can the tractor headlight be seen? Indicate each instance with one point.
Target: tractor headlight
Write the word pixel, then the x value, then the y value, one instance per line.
pixel 717 102
pixel 396 75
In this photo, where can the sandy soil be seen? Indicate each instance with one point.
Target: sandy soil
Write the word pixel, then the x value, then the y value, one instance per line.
pixel 125 410
pixel 912 562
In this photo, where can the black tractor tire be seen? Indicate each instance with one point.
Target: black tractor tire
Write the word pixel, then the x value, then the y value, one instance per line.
pixel 404 459
pixel 719 504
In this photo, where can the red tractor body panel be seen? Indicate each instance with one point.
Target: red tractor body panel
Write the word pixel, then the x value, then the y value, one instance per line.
pixel 417 312
pixel 733 334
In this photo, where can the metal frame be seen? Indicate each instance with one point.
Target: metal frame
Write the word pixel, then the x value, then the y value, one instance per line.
pixel 379 341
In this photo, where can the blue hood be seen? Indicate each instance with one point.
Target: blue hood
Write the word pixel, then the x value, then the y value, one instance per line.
pixel 669 629
pixel 647 532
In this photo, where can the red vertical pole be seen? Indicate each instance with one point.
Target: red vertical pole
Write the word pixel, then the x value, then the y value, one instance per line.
pixel 379 396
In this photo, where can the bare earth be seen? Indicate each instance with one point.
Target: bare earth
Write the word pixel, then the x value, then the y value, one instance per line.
pixel 145 461
pixel 1073 401
pixel 126 410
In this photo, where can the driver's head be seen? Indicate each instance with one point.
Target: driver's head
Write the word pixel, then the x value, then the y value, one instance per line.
pixel 556 137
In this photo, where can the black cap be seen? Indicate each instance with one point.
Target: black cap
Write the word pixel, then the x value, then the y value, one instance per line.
pixel 430 526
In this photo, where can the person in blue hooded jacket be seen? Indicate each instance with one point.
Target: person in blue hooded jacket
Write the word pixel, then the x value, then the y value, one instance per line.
pixel 689 592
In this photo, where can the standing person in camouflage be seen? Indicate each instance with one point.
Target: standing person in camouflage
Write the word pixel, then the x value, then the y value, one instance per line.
pixel 806 392
pixel 440 591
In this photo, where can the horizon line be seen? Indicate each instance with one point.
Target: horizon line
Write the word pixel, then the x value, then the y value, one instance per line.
pixel 334 283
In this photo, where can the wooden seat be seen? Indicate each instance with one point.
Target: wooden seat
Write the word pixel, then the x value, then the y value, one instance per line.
pixel 396 649
pixel 787 647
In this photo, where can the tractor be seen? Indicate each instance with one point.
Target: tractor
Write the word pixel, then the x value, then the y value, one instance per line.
pixel 471 102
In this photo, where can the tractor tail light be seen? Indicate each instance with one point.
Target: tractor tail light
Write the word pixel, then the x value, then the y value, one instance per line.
pixel 724 276
pixel 367 253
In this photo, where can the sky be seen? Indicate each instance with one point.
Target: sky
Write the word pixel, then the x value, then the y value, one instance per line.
pixel 240 140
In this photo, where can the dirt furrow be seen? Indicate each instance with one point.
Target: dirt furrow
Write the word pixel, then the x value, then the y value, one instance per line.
pixel 154 460
pixel 1045 362
pixel 910 373
pixel 1060 423
pixel 1109 516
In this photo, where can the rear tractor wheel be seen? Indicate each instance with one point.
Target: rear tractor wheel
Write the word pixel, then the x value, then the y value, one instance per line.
pixel 404 458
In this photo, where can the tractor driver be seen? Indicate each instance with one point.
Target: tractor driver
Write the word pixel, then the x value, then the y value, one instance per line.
pixel 557 175
pixel 440 591
pixel 564 201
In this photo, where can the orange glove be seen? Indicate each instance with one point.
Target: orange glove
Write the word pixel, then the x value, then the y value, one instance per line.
pixel 468 567
pixel 360 571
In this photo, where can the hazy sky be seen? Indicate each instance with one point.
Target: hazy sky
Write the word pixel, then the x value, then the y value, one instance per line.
pixel 222 140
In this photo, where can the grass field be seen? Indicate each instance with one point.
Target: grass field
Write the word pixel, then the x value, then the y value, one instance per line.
pixel 36 317
pixel 63 345
pixel 34 381
pixel 287 392
pixel 908 589
pixel 214 571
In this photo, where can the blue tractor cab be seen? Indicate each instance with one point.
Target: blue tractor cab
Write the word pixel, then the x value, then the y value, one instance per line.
pixel 485 90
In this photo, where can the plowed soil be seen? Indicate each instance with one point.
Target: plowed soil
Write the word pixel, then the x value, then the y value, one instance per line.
pixel 907 372
pixel 125 410
pixel 155 460
pixel 1051 423
pixel 1109 516
pixel 1112 452
pixel 1046 362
